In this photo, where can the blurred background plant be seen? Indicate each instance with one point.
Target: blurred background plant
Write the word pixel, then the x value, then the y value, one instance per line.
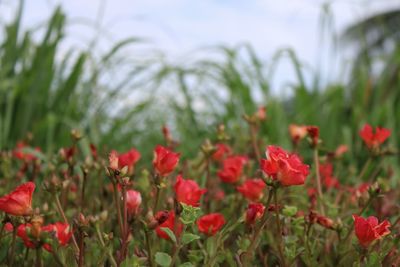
pixel 47 93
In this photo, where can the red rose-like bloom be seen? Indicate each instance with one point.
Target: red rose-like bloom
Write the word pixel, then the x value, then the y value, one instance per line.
pixel 232 169
pixel 128 159
pixel 188 191
pixel 61 230
pixel 284 167
pixel 368 230
pixel 165 160
pixel 133 201
pixel 222 151
pixel 211 223
pixel 254 212
pixel 252 189
pixel 18 202
pixel 372 139
pixel 169 223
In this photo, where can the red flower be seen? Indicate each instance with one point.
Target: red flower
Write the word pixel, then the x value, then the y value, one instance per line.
pixel 232 169
pixel 326 171
pixel 169 223
pixel 188 191
pixel 313 132
pixel 284 167
pixel 165 160
pixel 254 212
pixel 18 202
pixel 133 201
pixel 19 154
pixel 372 139
pixel 211 223
pixel 369 230
pixel 252 189
pixel 129 158
pixel 222 151
pixel 61 230
pixel 93 151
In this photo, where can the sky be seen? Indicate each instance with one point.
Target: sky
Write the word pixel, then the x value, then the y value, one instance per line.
pixel 178 27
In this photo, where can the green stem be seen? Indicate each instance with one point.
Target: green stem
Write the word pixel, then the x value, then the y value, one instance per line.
pixel 12 252
pixel 278 226
pixel 253 135
pixel 155 207
pixel 318 178
pixel 364 169
pixel 61 211
pixel 118 207
pixel 149 251
pixel 38 257
pixel 110 256
pixel 257 233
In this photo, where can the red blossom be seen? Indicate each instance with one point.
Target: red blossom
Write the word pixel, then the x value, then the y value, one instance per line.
pixel 128 159
pixel 254 212
pixel 372 139
pixel 133 201
pixel 165 160
pixel 188 191
pixel 252 189
pixel 284 167
pixel 168 223
pixel 222 152
pixel 211 223
pixel 232 168
pixel 326 171
pixel 21 155
pixel 369 229
pixel 313 132
pixel 18 202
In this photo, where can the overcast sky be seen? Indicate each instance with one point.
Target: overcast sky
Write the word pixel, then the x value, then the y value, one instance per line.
pixel 179 26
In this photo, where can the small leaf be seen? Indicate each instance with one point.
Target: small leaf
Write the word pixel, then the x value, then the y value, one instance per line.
pixel 186 264
pixel 169 233
pixel 189 214
pixel 187 238
pixel 289 211
pixel 163 259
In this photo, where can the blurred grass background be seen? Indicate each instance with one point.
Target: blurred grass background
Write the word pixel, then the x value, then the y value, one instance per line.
pixel 48 94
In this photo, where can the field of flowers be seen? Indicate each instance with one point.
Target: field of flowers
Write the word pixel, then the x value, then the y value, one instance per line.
pixel 88 178
pixel 255 205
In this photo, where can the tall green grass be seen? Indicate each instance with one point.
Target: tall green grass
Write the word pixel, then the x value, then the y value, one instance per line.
pixel 48 97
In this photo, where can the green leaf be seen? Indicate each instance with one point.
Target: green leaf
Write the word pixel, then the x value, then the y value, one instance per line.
pixel 289 211
pixel 189 214
pixel 163 259
pixel 187 238
pixel 169 233
pixel 186 264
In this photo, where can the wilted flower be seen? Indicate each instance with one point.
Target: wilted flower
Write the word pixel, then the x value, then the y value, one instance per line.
pixel 297 132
